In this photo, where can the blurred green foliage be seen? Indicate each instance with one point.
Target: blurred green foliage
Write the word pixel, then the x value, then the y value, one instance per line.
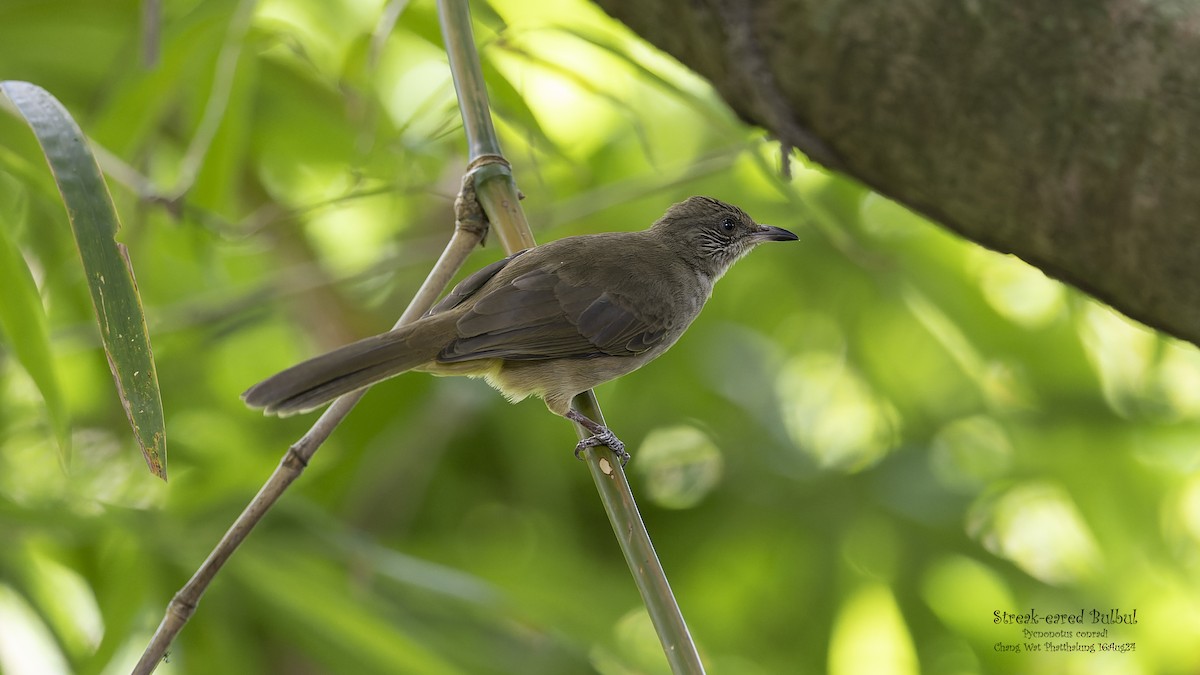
pixel 870 441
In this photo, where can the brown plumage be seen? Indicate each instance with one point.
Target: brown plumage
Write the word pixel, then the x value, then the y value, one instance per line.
pixel 552 321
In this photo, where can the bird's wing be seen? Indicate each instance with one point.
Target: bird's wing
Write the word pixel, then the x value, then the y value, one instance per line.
pixel 540 315
pixel 470 285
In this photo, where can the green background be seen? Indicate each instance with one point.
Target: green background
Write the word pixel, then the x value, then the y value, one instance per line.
pixel 870 442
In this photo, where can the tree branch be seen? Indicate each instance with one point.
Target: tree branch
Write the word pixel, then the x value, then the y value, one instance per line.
pixel 1061 132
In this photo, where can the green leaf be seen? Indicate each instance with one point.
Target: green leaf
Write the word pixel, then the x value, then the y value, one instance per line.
pixel 307 598
pixel 105 263
pixel 510 104
pixel 23 320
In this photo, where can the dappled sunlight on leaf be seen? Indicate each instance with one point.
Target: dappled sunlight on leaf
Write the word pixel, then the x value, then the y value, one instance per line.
pixel 871 636
pixel 26 644
pixel 295 184
pixel 1000 382
pixel 1168 447
pixel 1122 353
pixel 312 595
pixel 1167 598
pixel 1181 519
pixel 970 452
pixel 1179 376
pixel 417 92
pixel 637 649
pixel 832 414
pixel 1038 527
pixel 1017 290
pixel 23 318
pixel 98 478
pixel 323 29
pixel 681 465
pixel 554 96
pixel 64 597
pixel 963 592
pixel 356 233
pixel 887 220
pixel 945 331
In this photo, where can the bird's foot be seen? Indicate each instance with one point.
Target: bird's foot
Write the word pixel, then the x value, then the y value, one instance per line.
pixel 601 435
pixel 607 437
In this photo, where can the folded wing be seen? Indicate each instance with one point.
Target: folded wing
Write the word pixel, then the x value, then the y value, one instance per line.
pixel 542 316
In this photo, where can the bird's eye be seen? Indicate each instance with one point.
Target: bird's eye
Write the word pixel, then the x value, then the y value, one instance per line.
pixel 728 224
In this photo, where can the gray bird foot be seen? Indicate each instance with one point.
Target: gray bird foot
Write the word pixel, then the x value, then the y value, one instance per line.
pixel 601 435
pixel 607 437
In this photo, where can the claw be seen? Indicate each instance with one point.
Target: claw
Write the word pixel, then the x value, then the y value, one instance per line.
pixel 605 437
pixel 601 435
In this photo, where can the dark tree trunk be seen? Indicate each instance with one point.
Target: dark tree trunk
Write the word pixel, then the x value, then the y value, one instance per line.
pixel 1065 132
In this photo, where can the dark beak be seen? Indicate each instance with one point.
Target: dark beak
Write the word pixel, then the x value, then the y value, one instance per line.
pixel 772 233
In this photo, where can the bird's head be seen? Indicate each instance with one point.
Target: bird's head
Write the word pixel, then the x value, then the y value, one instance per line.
pixel 712 235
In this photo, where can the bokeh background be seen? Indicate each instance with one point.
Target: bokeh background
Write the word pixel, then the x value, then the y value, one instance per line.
pixel 870 441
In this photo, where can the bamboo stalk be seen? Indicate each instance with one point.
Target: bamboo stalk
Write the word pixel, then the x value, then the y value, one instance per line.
pixel 498 196
pixel 488 183
pixel 296 459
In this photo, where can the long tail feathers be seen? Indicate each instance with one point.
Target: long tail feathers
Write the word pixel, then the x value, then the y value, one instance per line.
pixel 313 383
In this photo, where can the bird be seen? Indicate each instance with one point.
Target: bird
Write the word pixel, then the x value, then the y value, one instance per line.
pixel 550 321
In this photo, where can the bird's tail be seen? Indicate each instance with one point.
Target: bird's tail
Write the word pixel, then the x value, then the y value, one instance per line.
pixel 317 381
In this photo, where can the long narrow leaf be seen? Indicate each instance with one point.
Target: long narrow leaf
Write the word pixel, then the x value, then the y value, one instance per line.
pixel 105 263
pixel 23 320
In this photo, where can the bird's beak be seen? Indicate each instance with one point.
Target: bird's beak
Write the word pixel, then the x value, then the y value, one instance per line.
pixel 772 233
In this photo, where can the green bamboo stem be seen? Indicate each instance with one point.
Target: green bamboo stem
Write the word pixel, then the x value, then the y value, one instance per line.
pixel 631 533
pixel 497 194
pixel 455 19
pixel 294 461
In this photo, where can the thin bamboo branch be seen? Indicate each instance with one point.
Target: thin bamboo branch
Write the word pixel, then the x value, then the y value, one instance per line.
pixel 498 196
pixel 490 178
pixel 627 525
pixel 183 605
pixel 459 37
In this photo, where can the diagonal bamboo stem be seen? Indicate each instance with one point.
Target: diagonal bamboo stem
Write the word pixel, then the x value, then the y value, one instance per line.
pixel 499 198
pixel 468 233
pixel 488 184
